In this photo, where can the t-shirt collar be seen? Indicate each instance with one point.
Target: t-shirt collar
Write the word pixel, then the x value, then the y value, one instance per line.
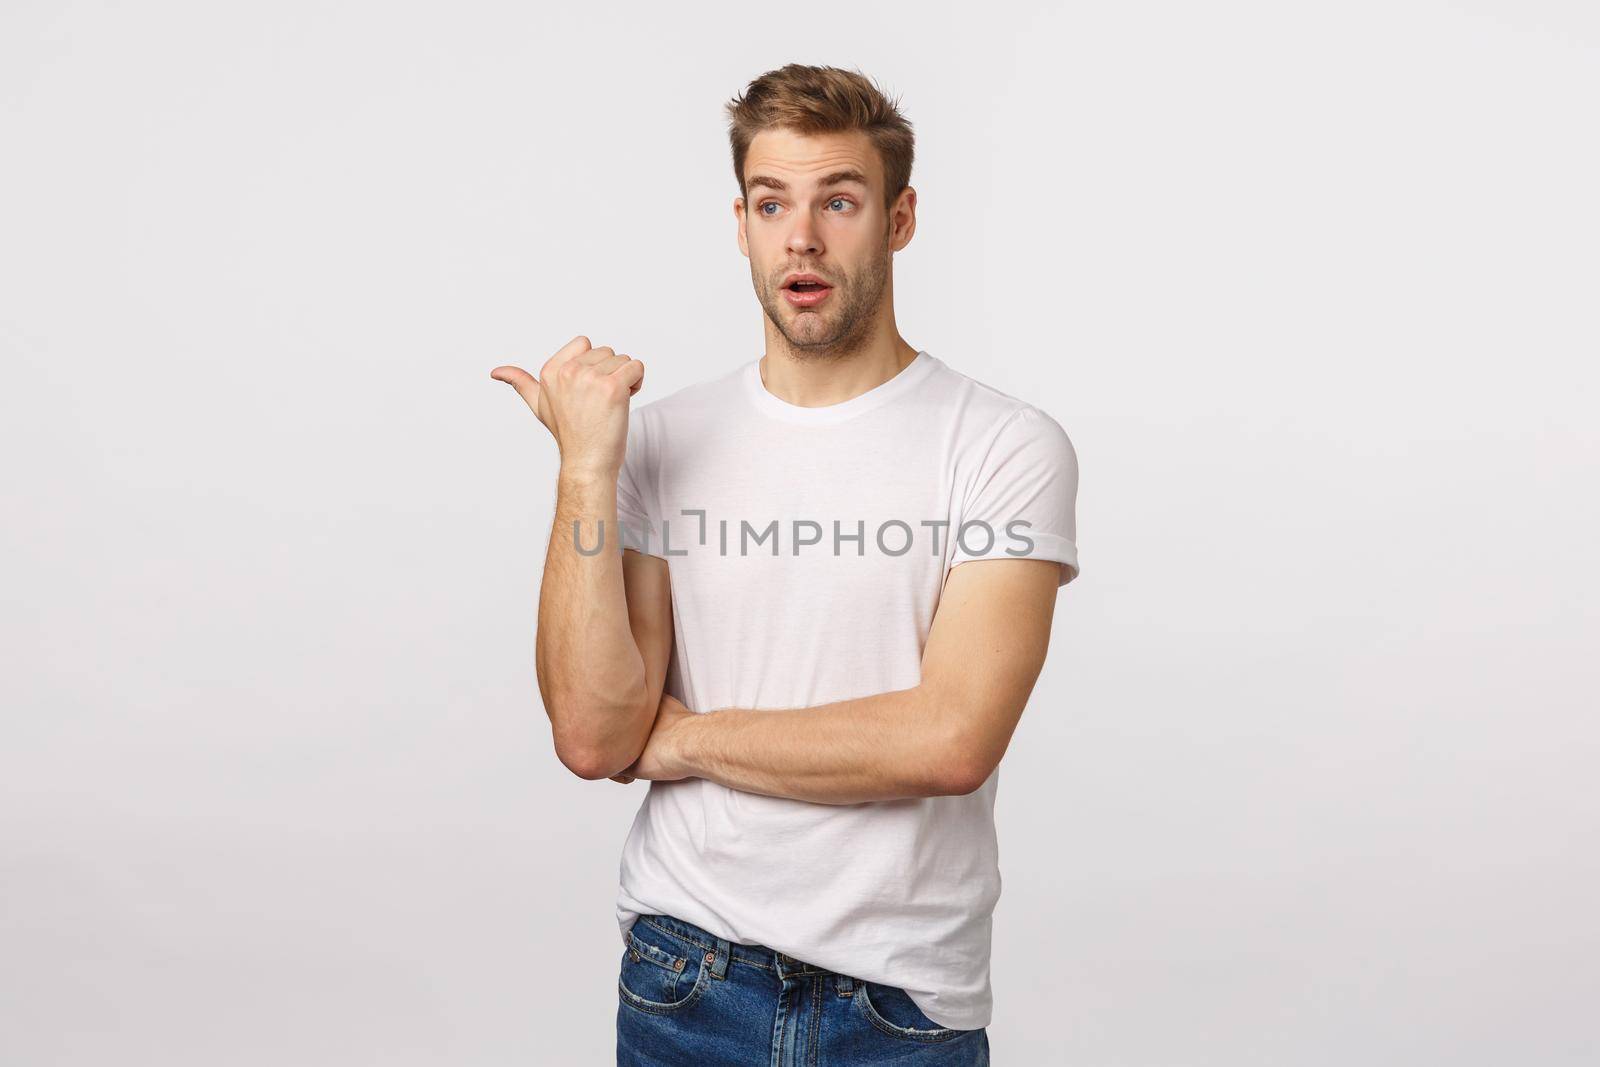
pixel 878 395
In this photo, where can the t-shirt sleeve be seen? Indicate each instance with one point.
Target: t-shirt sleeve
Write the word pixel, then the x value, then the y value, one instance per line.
pixel 641 529
pixel 1021 503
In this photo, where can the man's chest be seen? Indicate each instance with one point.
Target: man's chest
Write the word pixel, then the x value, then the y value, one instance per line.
pixel 821 547
pixel 762 513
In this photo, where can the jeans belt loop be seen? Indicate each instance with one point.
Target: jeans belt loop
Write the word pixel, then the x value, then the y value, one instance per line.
pixel 719 959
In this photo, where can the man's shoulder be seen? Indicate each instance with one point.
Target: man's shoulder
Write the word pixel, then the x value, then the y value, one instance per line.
pixel 695 400
pixel 985 409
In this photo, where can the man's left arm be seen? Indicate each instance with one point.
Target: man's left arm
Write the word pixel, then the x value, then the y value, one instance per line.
pixel 944 736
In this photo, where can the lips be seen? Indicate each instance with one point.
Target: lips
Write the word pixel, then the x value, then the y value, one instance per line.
pixel 802 298
pixel 805 290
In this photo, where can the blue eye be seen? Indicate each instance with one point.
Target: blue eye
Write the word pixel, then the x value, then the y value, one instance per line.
pixel 762 208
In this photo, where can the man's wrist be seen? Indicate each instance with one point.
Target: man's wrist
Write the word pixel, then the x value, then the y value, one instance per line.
pixel 586 475
pixel 682 745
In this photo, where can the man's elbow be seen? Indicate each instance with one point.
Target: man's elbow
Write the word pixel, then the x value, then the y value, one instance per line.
pixel 964 760
pixel 953 768
pixel 601 740
pixel 960 776
pixel 590 764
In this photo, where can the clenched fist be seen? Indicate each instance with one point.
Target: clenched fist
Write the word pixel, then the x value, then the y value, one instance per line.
pixel 581 395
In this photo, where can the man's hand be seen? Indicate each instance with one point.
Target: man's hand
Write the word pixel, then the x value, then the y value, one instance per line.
pixel 659 762
pixel 581 395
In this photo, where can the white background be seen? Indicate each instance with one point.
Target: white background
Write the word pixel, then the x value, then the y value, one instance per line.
pixel 1309 776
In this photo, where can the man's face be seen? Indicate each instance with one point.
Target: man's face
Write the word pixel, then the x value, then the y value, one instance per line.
pixel 814 205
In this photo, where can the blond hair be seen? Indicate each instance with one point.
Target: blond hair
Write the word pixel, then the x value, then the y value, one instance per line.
pixel 813 100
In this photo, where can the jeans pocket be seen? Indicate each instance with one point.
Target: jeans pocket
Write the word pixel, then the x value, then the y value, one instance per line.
pixel 660 972
pixel 891 1010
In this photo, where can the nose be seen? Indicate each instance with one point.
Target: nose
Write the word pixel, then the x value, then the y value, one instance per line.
pixel 804 238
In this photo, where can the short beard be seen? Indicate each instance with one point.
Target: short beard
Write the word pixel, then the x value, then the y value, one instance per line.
pixel 863 292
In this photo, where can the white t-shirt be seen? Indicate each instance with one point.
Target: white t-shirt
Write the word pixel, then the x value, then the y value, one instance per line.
pixel 807 548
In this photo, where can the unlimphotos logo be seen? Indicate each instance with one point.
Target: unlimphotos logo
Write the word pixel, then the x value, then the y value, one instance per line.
pixel 892 537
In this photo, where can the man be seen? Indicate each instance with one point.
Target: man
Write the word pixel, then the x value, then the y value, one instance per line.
pixel 840 565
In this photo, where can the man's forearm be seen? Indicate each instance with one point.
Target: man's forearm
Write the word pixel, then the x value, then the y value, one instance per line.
pixel 591 674
pixel 881 747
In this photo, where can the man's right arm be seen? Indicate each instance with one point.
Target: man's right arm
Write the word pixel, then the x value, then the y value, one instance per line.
pixel 605 633
pixel 605 618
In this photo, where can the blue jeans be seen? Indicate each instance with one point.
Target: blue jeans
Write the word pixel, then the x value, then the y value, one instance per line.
pixel 686 996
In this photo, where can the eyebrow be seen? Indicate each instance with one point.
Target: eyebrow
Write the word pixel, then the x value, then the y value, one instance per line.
pixel 838 177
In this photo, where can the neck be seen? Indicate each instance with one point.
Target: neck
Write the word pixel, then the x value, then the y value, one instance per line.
pixel 817 378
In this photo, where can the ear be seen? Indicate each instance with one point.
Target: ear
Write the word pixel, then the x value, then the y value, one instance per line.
pixel 738 213
pixel 903 219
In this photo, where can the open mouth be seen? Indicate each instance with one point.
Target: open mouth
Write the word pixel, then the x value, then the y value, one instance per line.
pixel 805 290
